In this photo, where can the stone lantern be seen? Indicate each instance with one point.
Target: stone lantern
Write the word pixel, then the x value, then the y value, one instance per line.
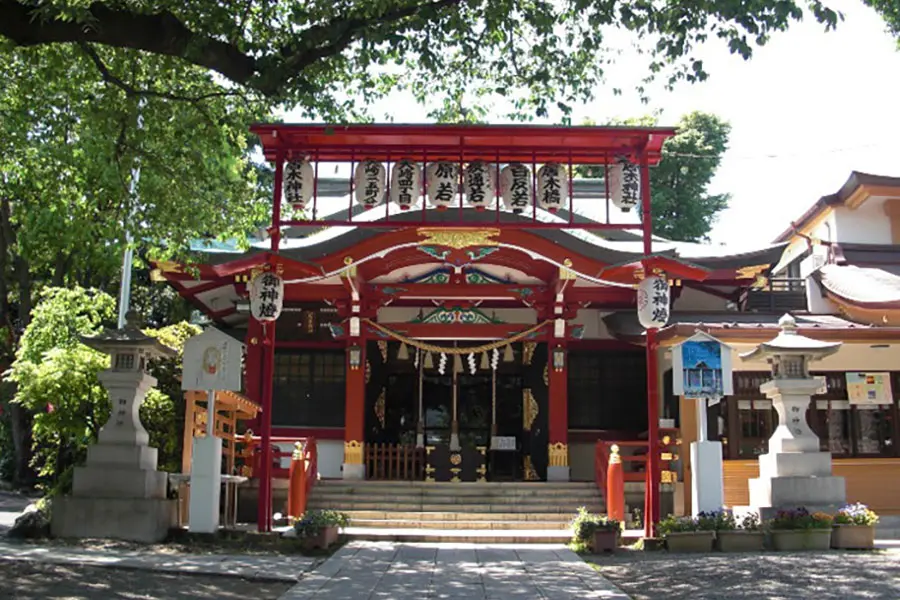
pixel 119 493
pixel 794 472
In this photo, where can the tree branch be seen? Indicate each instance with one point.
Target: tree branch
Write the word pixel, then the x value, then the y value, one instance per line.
pixel 163 33
pixel 160 33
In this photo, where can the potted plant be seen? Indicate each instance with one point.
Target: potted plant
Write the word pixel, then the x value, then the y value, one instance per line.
pixel 599 533
pixel 854 527
pixel 319 528
pixel 689 534
pixel 739 536
pixel 798 529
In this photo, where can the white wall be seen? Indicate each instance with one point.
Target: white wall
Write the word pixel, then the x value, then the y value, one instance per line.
pixel 330 457
pixel 592 320
pixel 867 224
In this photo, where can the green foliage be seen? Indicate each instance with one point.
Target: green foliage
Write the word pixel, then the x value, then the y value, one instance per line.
pixel 585 524
pixel 331 57
pixel 56 377
pixel 682 208
pixel 162 413
pixel 314 521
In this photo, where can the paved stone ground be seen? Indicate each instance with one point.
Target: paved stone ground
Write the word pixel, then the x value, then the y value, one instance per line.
pixel 20 580
pixel 758 576
pixel 251 566
pixel 409 571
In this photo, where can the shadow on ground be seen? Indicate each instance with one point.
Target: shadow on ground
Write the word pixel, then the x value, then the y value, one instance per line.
pixel 20 580
pixel 758 576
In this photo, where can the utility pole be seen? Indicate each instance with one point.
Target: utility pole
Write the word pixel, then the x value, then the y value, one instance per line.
pixel 128 256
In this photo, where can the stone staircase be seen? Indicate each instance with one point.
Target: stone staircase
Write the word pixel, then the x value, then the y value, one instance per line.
pixel 463 512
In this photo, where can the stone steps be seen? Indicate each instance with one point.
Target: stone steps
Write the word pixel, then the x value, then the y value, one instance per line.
pixel 462 512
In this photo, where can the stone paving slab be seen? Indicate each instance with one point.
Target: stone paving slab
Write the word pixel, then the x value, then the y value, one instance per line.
pixel 270 567
pixel 450 571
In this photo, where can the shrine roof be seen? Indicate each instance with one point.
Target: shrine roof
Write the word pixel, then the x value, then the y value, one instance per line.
pixel 500 143
pixel 325 242
pixel 866 286
pixel 852 192
pixel 746 327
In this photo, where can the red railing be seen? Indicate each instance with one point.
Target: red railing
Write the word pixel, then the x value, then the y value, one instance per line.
pixel 303 473
pixel 251 454
pixel 634 463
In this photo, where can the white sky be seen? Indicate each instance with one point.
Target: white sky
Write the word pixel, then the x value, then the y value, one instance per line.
pixel 806 110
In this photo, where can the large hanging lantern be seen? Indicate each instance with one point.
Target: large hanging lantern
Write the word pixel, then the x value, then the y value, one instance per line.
pixel 297 183
pixel 515 187
pixel 405 184
pixel 479 184
pixel 553 187
pixel 653 302
pixel 441 180
pixel 624 184
pixel 369 182
pixel 266 296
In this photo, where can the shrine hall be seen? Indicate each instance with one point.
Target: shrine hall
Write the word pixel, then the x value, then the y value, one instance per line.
pixel 458 304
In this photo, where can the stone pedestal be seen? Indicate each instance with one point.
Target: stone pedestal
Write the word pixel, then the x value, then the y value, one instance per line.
pixel 118 493
pixel 707 493
pixel 206 485
pixel 557 473
pixel 794 472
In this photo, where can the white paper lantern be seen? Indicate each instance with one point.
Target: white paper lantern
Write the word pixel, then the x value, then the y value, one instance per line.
pixel 624 184
pixel 405 184
pixel 441 180
pixel 370 182
pixel 480 184
pixel 266 296
pixel 653 302
pixel 552 187
pixel 297 183
pixel 515 187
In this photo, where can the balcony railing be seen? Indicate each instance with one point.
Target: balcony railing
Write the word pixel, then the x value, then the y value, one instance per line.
pixel 780 294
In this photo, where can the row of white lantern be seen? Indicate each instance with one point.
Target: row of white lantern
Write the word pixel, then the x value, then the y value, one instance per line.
pixel 479 184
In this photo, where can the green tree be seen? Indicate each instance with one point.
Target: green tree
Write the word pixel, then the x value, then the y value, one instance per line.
pixel 683 209
pixel 328 56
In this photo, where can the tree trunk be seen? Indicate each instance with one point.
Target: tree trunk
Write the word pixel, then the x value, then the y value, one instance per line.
pixel 20 418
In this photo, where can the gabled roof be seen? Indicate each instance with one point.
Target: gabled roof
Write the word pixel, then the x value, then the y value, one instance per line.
pixel 851 192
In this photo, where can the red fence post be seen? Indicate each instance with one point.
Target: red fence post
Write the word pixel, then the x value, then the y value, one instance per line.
pixel 615 486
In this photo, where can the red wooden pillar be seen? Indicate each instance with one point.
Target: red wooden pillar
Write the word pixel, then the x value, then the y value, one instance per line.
pixel 558 413
pixel 267 372
pixel 651 495
pixel 355 413
pixel 253 367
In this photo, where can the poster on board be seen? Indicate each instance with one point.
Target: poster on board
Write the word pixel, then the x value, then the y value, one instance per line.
pixel 869 388
pixel 212 361
pixel 701 368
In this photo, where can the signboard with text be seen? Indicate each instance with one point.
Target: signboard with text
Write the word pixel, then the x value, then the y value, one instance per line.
pixel 869 388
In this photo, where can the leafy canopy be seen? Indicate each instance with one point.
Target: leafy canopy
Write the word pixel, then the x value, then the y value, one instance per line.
pixel 682 208
pixel 331 56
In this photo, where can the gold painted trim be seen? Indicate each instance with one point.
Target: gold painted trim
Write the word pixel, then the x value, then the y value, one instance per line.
pixel 353 452
pixel 458 238
pixel 530 409
pixel 558 454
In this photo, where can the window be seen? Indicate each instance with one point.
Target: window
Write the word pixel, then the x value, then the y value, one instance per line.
pixel 608 390
pixel 308 389
pixel 845 430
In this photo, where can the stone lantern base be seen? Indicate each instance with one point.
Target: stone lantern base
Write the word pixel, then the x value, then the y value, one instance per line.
pixel 144 520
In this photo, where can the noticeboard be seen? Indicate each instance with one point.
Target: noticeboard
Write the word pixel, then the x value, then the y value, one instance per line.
pixel 212 361
pixel 869 388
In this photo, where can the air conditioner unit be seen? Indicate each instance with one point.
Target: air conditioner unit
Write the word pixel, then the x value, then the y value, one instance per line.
pixel 814 262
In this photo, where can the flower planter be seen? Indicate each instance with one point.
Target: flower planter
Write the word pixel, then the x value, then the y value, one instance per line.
pixel 325 538
pixel 690 541
pixel 740 541
pixel 792 540
pixel 853 537
pixel 605 541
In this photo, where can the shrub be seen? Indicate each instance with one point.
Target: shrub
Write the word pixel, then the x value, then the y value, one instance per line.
pixel 314 521
pixel 585 524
